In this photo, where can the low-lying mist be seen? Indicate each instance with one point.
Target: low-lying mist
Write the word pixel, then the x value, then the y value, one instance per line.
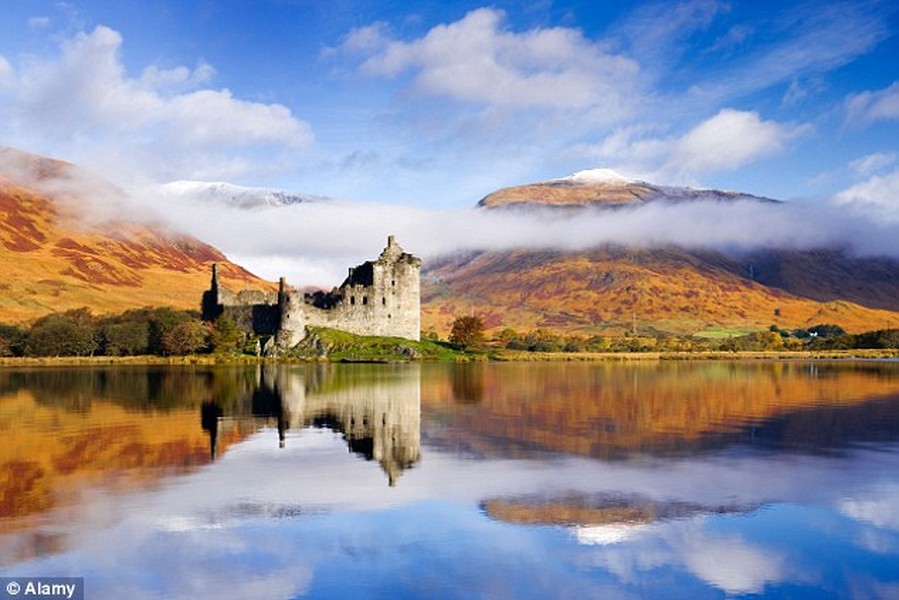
pixel 314 243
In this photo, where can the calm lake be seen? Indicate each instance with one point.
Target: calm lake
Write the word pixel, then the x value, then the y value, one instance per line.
pixel 604 480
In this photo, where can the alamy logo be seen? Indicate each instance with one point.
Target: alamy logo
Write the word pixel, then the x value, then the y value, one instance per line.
pixel 52 588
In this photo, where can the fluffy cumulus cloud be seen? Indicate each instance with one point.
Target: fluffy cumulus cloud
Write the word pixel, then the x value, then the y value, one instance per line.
pixel 651 95
pixel 726 141
pixel 477 59
pixel 880 105
pixel 83 103
pixel 877 197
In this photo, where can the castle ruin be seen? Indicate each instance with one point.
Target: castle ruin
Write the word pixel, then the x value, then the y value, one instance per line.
pixel 379 297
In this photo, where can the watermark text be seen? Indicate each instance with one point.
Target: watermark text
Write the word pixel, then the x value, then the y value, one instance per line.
pixel 45 588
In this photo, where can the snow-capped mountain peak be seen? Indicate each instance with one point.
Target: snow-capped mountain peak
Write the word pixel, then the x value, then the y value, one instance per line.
pixel 598 176
pixel 236 195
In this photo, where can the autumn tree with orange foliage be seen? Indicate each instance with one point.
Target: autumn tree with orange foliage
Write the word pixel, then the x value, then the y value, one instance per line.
pixel 467 332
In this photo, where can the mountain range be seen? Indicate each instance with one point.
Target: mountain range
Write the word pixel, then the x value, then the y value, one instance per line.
pixel 615 288
pixel 235 195
pixel 57 256
pixel 603 187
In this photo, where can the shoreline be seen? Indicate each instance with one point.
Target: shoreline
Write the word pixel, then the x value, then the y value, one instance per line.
pixel 487 356
pixel 523 356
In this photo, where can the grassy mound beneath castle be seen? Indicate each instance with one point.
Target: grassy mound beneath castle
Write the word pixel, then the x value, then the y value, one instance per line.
pixel 322 343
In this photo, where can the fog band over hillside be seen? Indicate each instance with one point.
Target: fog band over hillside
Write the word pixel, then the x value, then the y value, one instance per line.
pixel 312 244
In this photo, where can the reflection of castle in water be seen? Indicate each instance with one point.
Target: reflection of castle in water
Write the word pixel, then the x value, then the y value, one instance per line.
pixel 378 410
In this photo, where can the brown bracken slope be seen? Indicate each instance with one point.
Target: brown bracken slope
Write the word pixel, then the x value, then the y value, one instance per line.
pixel 613 289
pixel 53 259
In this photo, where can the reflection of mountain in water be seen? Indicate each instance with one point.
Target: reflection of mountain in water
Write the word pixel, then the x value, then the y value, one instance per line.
pixel 613 410
pixel 65 429
pixel 377 410
pixel 599 518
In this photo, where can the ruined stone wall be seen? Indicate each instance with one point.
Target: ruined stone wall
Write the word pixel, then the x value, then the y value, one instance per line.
pixel 261 319
pixel 380 297
pixel 248 297
pixel 253 310
pixel 389 307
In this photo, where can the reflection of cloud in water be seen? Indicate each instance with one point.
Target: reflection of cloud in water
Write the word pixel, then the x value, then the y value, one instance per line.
pixel 878 506
pixel 878 542
pixel 235 514
pixel 261 567
pixel 726 562
pixel 604 535
pixel 730 563
pixel 293 510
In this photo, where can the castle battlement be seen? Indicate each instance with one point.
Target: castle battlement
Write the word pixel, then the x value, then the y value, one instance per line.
pixel 379 297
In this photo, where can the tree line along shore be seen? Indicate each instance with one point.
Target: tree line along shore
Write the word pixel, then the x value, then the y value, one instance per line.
pixel 170 336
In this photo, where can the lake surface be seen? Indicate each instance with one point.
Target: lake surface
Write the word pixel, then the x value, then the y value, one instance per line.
pixel 608 480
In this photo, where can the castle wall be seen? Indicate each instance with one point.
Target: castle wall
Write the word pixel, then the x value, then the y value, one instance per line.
pixel 380 298
pixel 389 307
pixel 261 319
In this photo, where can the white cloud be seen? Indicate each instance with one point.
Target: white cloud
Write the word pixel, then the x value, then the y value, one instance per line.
pixel 726 141
pixel 655 31
pixel 867 107
pixel 795 94
pixel 84 89
pixel 476 59
pixel 482 87
pixel 216 117
pixel 38 22
pixel 7 74
pixel 735 37
pixel 161 125
pixel 811 39
pixel 154 78
pixel 800 90
pixel 878 197
pixel 871 163
pixel 371 38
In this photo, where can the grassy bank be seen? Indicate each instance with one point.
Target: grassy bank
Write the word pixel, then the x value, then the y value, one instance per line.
pixel 338 346
pixel 387 351
pixel 525 356
pixel 97 361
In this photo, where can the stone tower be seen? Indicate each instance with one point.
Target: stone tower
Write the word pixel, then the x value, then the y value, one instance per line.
pixel 380 297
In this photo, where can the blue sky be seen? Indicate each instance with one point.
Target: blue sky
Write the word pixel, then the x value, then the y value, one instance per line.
pixel 435 104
